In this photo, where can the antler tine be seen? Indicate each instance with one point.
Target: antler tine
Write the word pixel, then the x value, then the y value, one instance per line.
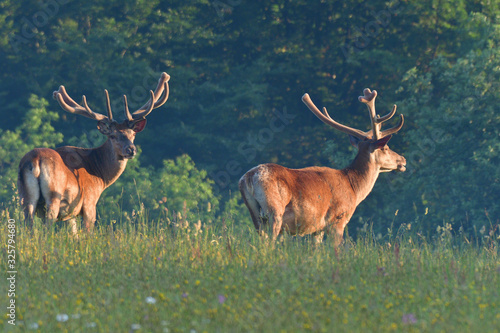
pixel 368 98
pixel 393 129
pixel 142 113
pixel 69 105
pixel 84 102
pixel 108 105
pixel 155 101
pixel 165 96
pixel 377 121
pixel 127 112
pixel 388 116
pixel 325 117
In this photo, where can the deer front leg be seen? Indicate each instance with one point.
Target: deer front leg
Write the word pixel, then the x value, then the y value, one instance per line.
pixel 276 221
pixel 73 227
pixel 337 232
pixel 89 217
pixel 318 237
pixel 271 225
pixel 338 237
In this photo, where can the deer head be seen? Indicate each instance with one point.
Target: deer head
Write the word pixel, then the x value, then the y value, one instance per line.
pixel 121 135
pixel 371 145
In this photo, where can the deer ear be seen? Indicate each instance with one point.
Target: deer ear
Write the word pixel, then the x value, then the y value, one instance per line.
pixel 354 140
pixel 104 127
pixel 139 126
pixel 381 143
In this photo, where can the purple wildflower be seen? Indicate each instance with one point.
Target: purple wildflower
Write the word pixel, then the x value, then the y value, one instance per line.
pixel 409 318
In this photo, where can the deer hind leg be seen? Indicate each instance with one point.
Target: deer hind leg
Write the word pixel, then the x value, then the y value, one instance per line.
pixel 29 192
pixel 252 205
pixel 52 199
pixel 272 213
pixel 271 210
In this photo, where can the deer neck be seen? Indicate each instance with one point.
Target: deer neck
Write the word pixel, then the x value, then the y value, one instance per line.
pixel 362 174
pixel 108 164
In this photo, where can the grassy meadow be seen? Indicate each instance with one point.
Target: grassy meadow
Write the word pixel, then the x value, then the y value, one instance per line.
pixel 150 276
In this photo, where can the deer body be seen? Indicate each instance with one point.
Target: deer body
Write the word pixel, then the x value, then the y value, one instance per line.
pixel 301 201
pixel 68 181
pixel 318 199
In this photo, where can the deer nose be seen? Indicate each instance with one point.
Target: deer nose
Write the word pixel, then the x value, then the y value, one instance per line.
pixel 402 164
pixel 131 150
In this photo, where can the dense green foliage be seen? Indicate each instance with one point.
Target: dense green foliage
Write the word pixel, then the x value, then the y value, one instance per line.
pixel 155 277
pixel 236 66
pixel 457 131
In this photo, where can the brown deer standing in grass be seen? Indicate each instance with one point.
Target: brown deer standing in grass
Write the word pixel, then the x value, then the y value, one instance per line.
pixel 318 199
pixel 67 181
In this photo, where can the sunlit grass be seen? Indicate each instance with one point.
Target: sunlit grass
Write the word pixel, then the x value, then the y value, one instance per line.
pixel 158 278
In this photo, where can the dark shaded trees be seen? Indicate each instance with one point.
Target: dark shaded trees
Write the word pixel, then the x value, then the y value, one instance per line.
pixel 239 69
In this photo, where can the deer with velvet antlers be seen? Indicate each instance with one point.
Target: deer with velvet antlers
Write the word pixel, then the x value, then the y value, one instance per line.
pixel 318 199
pixel 66 182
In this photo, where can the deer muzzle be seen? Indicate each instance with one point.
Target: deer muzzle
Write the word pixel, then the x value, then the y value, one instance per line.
pixel 130 152
pixel 402 164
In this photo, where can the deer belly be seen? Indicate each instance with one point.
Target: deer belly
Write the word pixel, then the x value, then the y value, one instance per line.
pixel 296 225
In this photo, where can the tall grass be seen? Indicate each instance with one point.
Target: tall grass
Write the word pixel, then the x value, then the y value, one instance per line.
pixel 162 276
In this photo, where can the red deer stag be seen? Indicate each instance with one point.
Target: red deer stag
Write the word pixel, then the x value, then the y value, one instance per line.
pixel 318 199
pixel 68 181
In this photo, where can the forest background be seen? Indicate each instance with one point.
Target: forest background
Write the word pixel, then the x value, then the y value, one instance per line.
pixel 238 70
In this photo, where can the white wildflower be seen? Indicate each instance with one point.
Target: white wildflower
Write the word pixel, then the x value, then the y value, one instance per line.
pixel 33 326
pixel 483 230
pixel 150 300
pixel 62 317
